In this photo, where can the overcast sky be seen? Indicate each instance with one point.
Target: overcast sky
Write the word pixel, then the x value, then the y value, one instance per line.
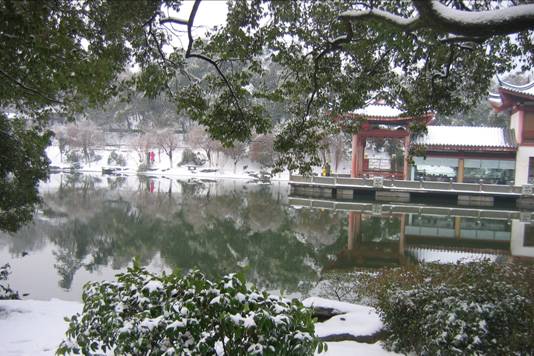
pixel 210 13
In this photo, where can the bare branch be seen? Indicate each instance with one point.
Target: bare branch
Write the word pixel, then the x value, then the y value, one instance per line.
pixel 332 45
pixel 189 54
pixel 175 20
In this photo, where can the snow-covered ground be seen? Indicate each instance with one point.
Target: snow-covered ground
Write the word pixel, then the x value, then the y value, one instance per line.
pixel 33 327
pixel 30 327
pixel 222 167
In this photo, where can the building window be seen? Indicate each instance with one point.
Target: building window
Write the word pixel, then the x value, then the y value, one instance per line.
pixel 490 171
pixel 528 238
pixel 436 169
pixel 531 170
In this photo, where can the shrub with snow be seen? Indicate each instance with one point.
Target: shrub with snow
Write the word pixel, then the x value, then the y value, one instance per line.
pixel 473 308
pixel 190 157
pixel 116 159
pixel 5 290
pixel 142 313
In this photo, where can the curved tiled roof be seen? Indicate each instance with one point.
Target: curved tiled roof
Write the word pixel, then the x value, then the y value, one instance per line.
pixel 378 110
pixel 470 137
pixel 507 89
pixel 527 89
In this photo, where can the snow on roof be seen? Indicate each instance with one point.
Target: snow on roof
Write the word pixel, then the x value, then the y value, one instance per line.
pixel 495 98
pixel 467 136
pixel 378 109
pixel 527 89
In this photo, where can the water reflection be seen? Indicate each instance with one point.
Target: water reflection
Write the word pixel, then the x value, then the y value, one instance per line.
pixel 90 227
pixel 376 241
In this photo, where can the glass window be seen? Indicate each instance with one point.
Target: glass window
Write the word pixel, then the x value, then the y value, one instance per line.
pixel 531 170
pixel 490 171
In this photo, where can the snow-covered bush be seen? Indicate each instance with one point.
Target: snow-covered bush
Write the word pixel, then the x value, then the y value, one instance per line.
pixel 143 314
pixel 190 157
pixel 116 159
pixel 5 290
pixel 473 308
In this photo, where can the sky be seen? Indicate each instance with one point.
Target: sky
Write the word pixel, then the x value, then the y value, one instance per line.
pixel 210 13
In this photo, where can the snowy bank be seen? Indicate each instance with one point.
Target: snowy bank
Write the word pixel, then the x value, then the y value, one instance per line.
pixel 33 327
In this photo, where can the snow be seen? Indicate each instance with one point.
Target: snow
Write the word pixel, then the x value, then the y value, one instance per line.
pixel 472 136
pixel 492 17
pixel 153 285
pixel 527 89
pixel 338 307
pixel 361 323
pixel 378 110
pixel 223 167
pixel 351 348
pixel 31 327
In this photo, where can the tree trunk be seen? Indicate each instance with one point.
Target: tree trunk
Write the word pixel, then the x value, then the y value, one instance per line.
pixel 170 158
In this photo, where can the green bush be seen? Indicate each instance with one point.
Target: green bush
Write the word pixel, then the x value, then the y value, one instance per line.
pixel 5 290
pixel 143 314
pixel 116 159
pixel 472 308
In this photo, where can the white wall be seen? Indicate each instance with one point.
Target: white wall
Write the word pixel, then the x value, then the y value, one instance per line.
pixel 514 125
pixel 521 164
pixel 516 245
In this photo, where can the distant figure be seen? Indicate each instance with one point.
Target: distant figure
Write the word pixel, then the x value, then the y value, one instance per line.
pixel 152 156
pixel 323 171
pixel 327 167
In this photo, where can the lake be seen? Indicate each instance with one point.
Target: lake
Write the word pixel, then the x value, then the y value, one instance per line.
pixel 90 227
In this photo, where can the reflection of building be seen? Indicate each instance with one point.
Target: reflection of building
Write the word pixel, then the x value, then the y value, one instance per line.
pixel 453 153
pixel 401 238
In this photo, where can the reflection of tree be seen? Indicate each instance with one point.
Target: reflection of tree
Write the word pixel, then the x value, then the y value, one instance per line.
pixel 219 228
pixel 320 227
pixel 263 214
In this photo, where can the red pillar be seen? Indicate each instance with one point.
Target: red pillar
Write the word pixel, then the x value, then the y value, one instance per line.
pixel 406 165
pixel 355 152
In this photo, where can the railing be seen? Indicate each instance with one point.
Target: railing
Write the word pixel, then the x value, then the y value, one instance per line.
pixel 390 208
pixel 480 188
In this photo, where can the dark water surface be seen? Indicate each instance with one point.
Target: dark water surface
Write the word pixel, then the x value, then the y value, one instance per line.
pixel 91 227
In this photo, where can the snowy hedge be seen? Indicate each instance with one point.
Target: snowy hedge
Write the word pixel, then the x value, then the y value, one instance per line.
pixel 142 313
pixel 473 308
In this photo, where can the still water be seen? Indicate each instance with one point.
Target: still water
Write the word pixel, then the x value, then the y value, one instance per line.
pixel 91 227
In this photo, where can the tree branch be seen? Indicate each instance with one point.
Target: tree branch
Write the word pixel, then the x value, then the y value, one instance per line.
pixel 189 54
pixel 438 17
pixel 28 89
pixel 487 23
pixel 402 23
pixel 174 20
pixel 332 45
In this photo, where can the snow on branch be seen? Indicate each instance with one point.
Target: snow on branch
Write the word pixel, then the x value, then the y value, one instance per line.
pixel 437 16
pixel 402 23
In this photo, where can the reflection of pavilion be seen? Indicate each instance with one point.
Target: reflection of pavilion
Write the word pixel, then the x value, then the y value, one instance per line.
pixel 400 238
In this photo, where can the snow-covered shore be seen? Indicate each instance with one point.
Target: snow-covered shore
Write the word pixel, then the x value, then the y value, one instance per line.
pixel 221 168
pixel 31 327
